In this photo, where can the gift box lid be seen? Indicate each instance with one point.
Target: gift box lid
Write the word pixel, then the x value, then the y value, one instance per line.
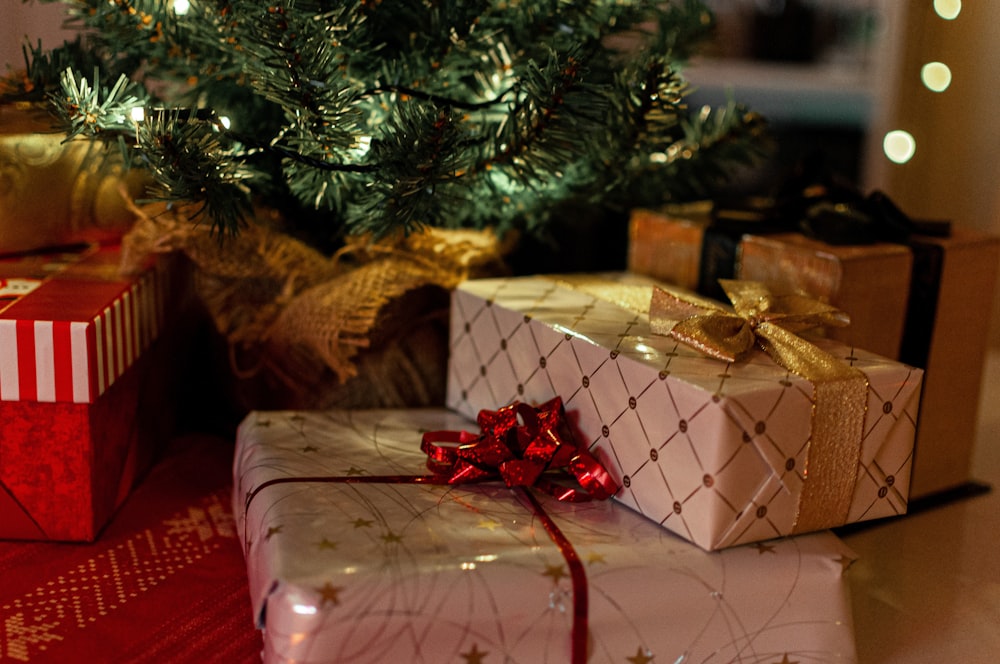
pixel 71 324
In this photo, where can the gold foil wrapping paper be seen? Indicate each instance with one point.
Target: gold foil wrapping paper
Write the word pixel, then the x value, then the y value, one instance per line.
pixel 56 192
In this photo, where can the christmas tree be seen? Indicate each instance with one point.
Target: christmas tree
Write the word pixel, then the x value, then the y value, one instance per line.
pixel 361 158
pixel 372 116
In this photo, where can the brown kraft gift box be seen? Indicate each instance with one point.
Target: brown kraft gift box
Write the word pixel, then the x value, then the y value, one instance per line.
pixel 870 282
pixel 677 233
pixel 947 334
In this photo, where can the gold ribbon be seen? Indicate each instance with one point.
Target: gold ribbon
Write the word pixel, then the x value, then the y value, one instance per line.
pixel 772 322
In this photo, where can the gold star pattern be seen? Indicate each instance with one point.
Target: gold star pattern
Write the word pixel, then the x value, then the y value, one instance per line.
pixel 362 523
pixel 352 471
pixel 640 657
pixel 475 655
pixel 309 448
pixel 391 537
pixel 488 524
pixel 263 423
pixel 764 547
pixel 785 660
pixel 271 531
pixel 326 544
pixel 594 558
pixel 329 593
pixel 555 571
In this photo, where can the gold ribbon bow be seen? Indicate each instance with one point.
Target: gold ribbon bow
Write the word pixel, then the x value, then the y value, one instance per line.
pixel 773 322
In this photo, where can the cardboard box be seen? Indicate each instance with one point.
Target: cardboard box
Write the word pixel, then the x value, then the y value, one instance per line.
pixel 75 342
pixel 871 283
pixel 717 452
pixel 667 244
pixel 947 334
pixel 351 560
pixel 693 245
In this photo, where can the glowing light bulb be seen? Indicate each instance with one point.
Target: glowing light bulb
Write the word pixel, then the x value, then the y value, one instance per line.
pixel 948 9
pixel 899 146
pixel 138 114
pixel 936 76
pixel 181 7
pixel 224 121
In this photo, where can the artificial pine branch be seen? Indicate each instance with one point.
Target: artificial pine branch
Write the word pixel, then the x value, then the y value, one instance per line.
pixel 392 115
pixel 187 158
pixel 92 111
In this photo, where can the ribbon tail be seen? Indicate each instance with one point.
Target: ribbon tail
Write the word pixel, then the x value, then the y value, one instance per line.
pixel 840 394
pixel 722 336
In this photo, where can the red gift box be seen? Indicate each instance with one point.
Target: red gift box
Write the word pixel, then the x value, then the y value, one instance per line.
pixel 75 342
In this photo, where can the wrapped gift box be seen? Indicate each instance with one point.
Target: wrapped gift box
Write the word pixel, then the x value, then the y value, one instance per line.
pixel 667 244
pixel 350 559
pixel 921 303
pixel 870 282
pixel 716 452
pixel 57 191
pixel 947 335
pixel 75 340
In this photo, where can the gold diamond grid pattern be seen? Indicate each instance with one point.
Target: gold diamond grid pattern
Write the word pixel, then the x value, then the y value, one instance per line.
pixel 713 451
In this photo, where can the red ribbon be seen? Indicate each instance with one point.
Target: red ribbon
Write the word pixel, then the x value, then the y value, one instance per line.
pixel 524 446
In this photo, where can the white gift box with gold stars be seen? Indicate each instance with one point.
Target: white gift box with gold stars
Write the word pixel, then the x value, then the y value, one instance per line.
pixel 717 452
pixel 350 559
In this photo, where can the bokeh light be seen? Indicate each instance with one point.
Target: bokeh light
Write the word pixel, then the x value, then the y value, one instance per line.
pixel 899 146
pixel 948 9
pixel 936 76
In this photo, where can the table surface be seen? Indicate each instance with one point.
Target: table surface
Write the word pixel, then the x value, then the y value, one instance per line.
pixel 927 586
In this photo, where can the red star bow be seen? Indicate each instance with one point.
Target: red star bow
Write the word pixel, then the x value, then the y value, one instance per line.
pixel 520 444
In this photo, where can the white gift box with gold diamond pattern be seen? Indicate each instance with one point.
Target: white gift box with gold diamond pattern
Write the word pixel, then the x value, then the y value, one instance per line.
pixel 716 452
pixel 381 569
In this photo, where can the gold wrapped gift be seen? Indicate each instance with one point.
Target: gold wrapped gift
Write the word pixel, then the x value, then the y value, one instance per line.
pixel 57 192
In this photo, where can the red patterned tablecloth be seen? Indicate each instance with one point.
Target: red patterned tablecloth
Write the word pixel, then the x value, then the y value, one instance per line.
pixel 166 581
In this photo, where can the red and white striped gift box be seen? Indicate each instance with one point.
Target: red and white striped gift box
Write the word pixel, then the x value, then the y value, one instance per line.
pixel 80 361
pixel 77 331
